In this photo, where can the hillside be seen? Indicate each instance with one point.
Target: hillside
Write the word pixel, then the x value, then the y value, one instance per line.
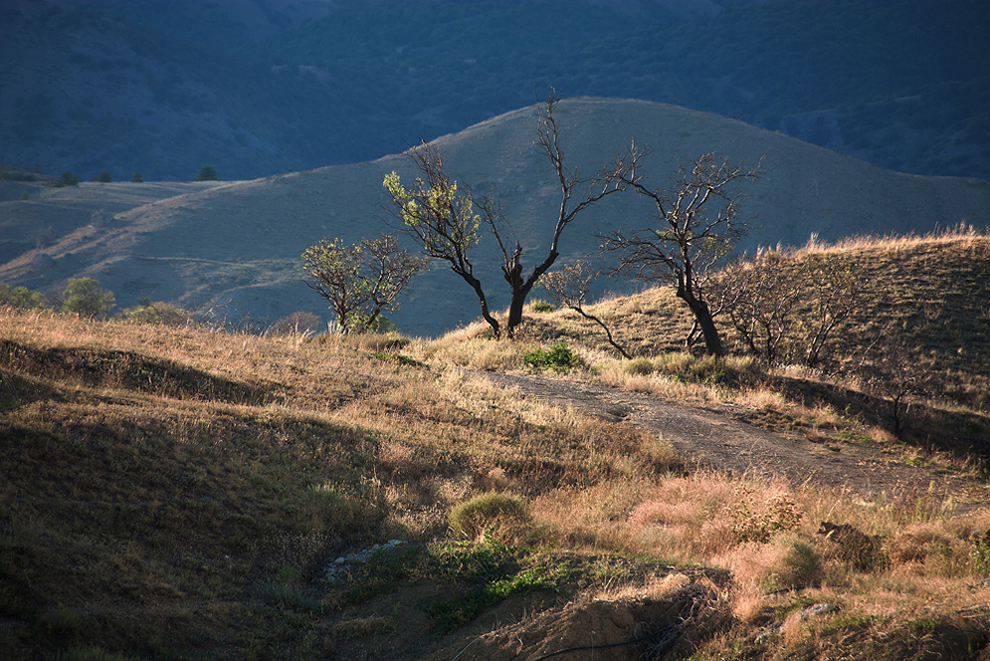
pixel 182 493
pixel 257 87
pixel 237 246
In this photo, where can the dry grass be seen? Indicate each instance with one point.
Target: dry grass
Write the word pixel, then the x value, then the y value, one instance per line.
pixel 176 491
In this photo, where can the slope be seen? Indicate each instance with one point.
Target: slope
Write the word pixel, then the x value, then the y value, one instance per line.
pixel 238 245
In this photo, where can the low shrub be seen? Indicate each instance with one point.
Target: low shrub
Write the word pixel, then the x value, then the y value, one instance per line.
pixel 559 358
pixel 490 514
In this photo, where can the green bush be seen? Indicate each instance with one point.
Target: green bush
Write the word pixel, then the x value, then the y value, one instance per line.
pixel 138 178
pixel 67 179
pixel 497 513
pixel 542 306
pixel 103 178
pixel 559 358
pixel 85 297
pixel 19 297
pixel 207 173
pixel 156 312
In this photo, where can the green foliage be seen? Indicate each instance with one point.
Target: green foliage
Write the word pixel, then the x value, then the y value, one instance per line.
pixel 471 519
pixel 137 178
pixel 19 297
pixel 482 575
pixel 360 281
pixel 207 173
pixel 84 297
pixel 67 179
pixel 559 358
pixel 391 357
pixel 542 306
pixel 156 312
pixel 103 177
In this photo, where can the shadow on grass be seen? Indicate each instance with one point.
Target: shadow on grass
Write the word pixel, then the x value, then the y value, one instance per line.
pixel 120 369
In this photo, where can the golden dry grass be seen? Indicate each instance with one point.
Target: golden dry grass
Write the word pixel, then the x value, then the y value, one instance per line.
pixel 177 491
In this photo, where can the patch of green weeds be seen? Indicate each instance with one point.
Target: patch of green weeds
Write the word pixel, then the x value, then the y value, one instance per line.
pixel 541 306
pixel 383 571
pixel 481 576
pixel 398 358
pixel 559 358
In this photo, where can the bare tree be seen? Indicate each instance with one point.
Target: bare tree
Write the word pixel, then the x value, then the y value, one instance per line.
pixel 360 281
pixel 569 287
pixel 447 224
pixel 838 288
pixel 759 295
pixel 689 238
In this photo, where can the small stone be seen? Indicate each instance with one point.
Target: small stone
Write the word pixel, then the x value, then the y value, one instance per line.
pixel 341 560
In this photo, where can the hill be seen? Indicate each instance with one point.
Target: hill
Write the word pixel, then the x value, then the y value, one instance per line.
pixel 237 246
pixel 256 87
pixel 184 493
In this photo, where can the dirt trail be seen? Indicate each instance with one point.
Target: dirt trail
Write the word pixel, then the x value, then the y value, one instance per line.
pixel 714 438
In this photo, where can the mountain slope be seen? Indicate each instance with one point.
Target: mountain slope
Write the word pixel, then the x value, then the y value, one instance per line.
pixel 237 245
pixel 901 85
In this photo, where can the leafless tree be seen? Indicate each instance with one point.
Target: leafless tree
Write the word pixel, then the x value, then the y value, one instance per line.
pixel 569 287
pixel 696 225
pixel 360 281
pixel 447 223
pixel 837 288
pixel 759 295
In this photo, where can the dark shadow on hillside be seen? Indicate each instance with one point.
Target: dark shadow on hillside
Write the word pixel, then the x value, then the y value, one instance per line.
pixel 119 369
pixel 963 434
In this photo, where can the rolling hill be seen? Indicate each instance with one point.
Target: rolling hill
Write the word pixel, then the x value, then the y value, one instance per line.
pixel 237 246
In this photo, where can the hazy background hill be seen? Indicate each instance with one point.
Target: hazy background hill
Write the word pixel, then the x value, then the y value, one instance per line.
pixel 237 245
pixel 257 87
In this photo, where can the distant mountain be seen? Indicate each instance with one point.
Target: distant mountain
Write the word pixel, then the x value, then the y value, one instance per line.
pixel 236 246
pixel 256 87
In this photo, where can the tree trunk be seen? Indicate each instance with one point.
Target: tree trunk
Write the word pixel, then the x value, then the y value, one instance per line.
pixel 713 343
pixel 476 285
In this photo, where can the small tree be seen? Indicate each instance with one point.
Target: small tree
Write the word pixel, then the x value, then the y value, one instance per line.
pixel 207 173
pixel 447 221
pixel 84 297
pixel 838 288
pixel 137 178
pixel 759 295
pixel 569 287
pixel 361 281
pixel 19 297
pixel 688 239
pixel 103 178
pixel 67 179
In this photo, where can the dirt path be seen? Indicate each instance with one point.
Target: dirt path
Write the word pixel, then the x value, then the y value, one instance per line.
pixel 714 438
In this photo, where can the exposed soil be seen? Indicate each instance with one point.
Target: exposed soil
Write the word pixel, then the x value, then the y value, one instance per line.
pixel 717 438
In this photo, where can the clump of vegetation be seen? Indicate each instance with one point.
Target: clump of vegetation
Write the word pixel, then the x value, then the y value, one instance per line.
pixel 491 514
pixel 558 358
pixel 19 297
pixel 66 179
pixel 85 297
pixel 207 173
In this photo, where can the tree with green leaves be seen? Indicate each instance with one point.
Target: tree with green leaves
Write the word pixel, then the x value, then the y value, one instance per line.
pixel 360 281
pixel 696 225
pixel 207 173
pixel 103 178
pixel 85 297
pixel 19 297
pixel 447 220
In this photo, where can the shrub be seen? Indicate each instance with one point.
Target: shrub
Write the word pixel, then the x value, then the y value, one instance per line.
pixel 542 306
pixel 103 178
pixel 19 297
pixel 85 297
pixel 157 312
pixel 137 178
pixel 496 513
pixel 67 179
pixel 207 173
pixel 559 358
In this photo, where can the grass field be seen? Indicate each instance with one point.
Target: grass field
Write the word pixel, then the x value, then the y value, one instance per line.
pixel 179 493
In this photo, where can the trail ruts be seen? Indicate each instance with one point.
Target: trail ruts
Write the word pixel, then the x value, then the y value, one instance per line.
pixel 716 439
